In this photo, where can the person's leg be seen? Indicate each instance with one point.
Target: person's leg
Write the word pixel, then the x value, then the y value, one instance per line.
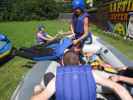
pixel 117 88
pixel 101 89
pixel 46 79
pixel 126 78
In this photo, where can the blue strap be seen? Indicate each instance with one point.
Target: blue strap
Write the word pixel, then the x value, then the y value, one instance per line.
pixel 75 83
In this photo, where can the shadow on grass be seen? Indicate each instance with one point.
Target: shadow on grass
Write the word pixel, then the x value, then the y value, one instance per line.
pixel 5 60
pixel 29 64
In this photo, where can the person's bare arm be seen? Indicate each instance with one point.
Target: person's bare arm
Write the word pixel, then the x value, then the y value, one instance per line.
pixel 50 37
pixel 122 79
pixel 47 93
pixel 119 90
pixel 70 32
pixel 72 29
pixel 86 29
pixel 44 38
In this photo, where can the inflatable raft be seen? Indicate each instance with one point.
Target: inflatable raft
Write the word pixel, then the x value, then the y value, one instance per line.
pixel 5 48
pixel 25 89
pixel 49 51
pixel 111 55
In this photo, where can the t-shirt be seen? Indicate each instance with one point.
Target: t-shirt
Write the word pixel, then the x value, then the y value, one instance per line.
pixel 40 37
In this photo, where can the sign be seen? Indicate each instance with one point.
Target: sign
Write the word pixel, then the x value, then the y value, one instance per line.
pixel 118 11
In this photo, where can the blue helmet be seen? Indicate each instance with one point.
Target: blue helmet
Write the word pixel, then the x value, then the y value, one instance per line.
pixel 78 4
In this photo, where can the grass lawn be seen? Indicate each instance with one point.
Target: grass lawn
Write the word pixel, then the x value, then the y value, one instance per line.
pixel 23 34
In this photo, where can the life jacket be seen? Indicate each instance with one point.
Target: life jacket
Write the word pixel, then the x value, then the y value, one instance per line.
pixel 40 40
pixel 75 83
pixel 78 24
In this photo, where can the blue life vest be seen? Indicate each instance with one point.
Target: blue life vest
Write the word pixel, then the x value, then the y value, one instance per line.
pixel 78 24
pixel 40 40
pixel 75 83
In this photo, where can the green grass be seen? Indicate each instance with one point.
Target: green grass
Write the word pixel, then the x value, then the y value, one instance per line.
pixel 23 34
pixel 10 75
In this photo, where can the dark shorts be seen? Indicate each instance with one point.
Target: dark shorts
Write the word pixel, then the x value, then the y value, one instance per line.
pixel 46 79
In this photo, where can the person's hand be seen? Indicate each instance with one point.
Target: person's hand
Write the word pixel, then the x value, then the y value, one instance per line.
pixel 52 39
pixel 61 32
pixel 75 42
pixel 115 78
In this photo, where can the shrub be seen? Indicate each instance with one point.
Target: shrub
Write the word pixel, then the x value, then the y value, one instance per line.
pixel 29 10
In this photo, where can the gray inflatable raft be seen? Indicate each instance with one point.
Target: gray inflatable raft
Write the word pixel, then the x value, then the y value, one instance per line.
pixel 25 89
pixel 111 55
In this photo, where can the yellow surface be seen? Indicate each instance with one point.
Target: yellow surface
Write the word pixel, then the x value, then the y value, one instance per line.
pixel 111 70
pixel 5 54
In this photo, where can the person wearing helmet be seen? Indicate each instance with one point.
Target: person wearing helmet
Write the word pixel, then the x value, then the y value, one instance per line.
pixel 42 36
pixel 79 24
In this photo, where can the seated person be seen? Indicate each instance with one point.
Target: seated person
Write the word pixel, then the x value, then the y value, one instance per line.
pixel 90 57
pixel 70 58
pixel 89 53
pixel 42 35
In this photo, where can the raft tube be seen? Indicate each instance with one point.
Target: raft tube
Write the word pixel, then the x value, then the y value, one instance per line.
pixel 5 48
pixel 24 90
pixel 112 56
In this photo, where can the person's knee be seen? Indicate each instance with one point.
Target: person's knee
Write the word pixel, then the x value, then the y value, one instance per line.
pixel 38 89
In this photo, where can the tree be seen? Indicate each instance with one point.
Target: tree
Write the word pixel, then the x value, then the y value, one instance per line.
pixel 29 9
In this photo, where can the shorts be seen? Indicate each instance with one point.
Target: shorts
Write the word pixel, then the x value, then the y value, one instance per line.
pixel 46 79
